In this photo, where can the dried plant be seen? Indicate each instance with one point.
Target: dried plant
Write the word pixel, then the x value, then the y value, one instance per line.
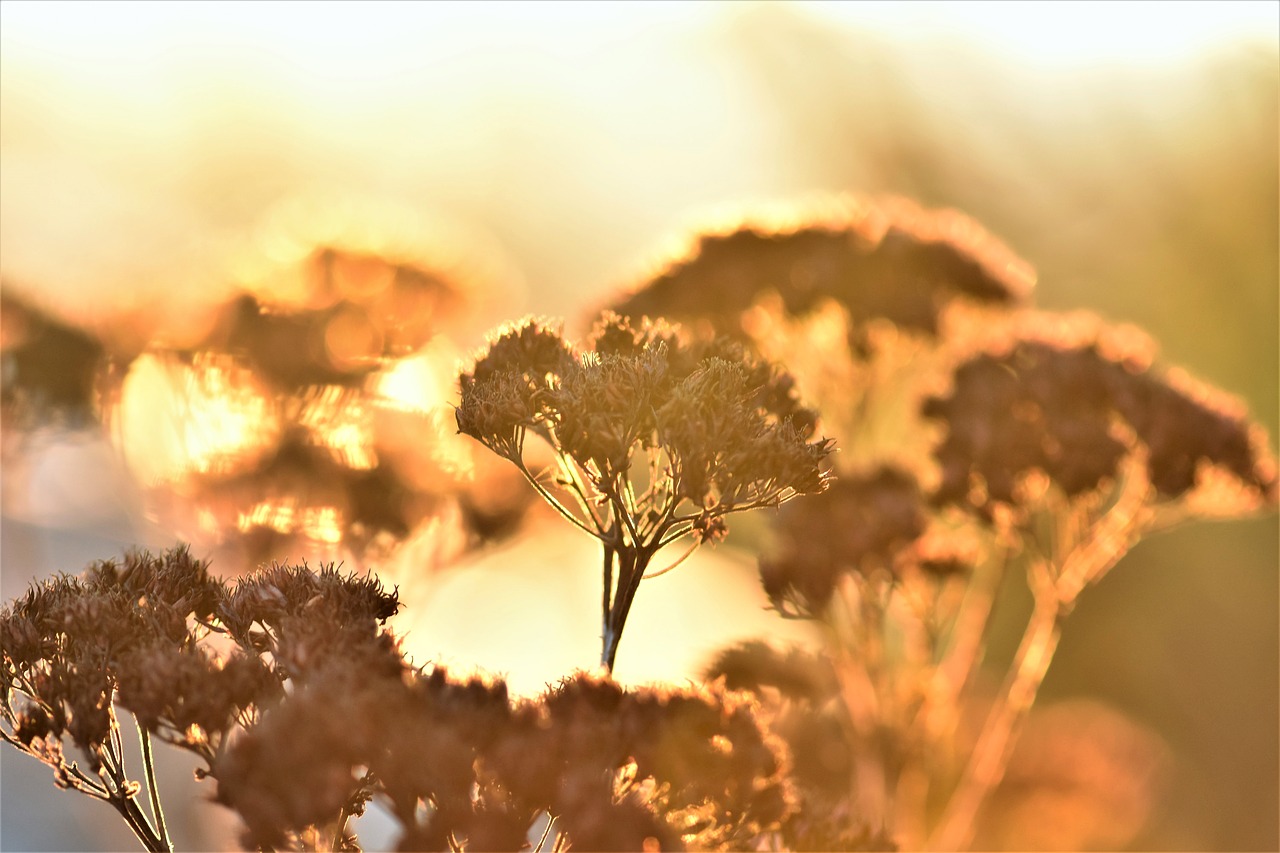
pixel 314 712
pixel 974 440
pixel 982 442
pixel 654 439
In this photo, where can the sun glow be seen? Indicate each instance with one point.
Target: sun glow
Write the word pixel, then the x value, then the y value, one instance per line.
pixel 350 44
pixel 1071 33
pixel 176 419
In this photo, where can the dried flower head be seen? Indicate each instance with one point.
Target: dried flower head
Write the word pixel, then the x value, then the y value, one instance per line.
pixel 1063 402
pixel 728 423
pixel 696 767
pixel 191 697
pixel 800 697
pixel 656 438
pixel 616 767
pixel 866 524
pixel 884 258
pixel 306 618
pixel 65 642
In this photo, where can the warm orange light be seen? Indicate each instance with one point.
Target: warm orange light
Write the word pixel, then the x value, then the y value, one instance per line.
pixel 176 419
pixel 339 420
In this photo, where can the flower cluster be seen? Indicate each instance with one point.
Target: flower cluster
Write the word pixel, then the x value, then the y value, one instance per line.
pixel 1074 409
pixel 882 520
pixel 615 769
pixel 503 394
pixel 328 715
pixel 800 696
pixel 139 634
pixel 305 618
pixel 656 438
pixel 885 259
pixel 64 641
pixel 123 632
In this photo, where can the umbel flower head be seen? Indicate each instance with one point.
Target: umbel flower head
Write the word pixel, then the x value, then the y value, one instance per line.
pixel 873 522
pixel 616 767
pixel 64 642
pixel 881 258
pixel 1073 398
pixel 730 432
pixel 656 438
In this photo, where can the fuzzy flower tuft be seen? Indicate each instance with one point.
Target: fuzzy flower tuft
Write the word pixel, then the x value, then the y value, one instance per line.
pixel 1068 406
pixel 883 258
pixel 657 438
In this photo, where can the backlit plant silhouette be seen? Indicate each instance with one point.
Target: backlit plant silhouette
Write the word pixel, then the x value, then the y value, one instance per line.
pixel 982 442
pixel 655 440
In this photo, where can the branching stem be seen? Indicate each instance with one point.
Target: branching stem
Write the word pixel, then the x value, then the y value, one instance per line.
pixel 153 790
pixel 995 744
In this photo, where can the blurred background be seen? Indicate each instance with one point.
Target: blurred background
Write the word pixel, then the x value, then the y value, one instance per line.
pixel 184 182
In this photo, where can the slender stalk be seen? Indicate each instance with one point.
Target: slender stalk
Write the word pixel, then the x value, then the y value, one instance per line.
pixel 995 744
pixel 632 563
pixel 546 831
pixel 153 790
pixel 551 499
pixel 606 636
pixel 621 513
pixel 121 792
pixel 693 546
pixel 85 784
pixel 575 482
pixel 120 795
pixel 967 643
pixel 340 831
pixel 140 830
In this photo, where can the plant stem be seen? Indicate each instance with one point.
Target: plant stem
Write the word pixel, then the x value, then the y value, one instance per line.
pixel 995 744
pixel 143 833
pixel 153 790
pixel 965 650
pixel 693 546
pixel 546 832
pixel 340 831
pixel 606 608
pixel 632 563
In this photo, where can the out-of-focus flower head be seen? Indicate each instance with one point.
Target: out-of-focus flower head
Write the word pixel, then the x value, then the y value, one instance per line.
pixel 1084 777
pixel 1072 397
pixel 870 523
pixel 883 258
pixel 304 420
pixel 799 694
pixel 49 370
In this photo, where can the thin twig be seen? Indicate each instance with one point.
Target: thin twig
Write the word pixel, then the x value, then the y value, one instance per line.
pixel 546 831
pixel 340 831
pixel 153 790
pixel 555 503
pixel 660 572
